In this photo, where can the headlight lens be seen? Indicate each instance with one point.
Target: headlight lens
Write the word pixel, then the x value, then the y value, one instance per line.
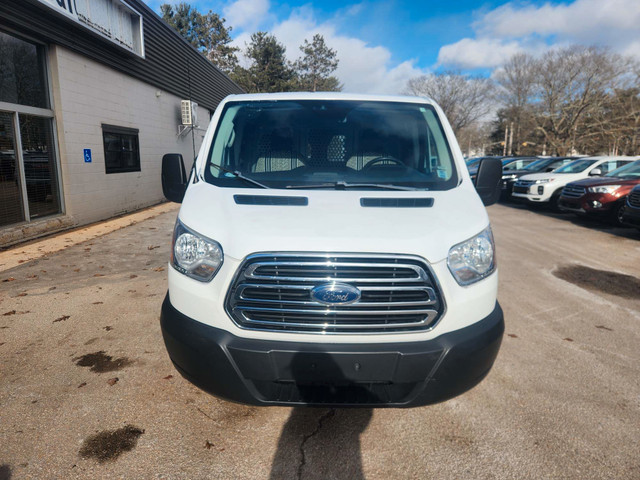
pixel 604 189
pixel 473 259
pixel 545 180
pixel 196 256
pixel 509 177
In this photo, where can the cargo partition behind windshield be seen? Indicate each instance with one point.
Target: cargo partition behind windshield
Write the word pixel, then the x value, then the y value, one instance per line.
pixel 298 143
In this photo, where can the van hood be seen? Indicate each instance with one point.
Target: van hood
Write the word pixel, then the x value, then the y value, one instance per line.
pixel 334 221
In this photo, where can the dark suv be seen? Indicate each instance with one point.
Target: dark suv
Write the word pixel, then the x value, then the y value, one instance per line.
pixel 631 213
pixel 601 196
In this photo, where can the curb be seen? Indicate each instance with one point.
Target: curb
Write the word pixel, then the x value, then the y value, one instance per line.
pixel 27 252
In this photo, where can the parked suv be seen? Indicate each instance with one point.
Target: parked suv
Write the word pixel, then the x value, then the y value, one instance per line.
pixel 331 249
pixel 510 177
pixel 601 196
pixel 545 188
pixel 631 212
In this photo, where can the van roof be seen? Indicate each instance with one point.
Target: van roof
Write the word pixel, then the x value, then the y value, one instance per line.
pixel 328 96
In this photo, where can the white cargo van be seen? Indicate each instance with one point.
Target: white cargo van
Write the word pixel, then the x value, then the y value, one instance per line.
pixel 331 249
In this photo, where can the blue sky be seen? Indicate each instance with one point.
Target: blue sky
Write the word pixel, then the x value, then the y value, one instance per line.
pixel 380 44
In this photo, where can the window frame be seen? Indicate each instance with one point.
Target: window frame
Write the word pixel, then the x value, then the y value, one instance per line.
pixel 17 109
pixel 121 131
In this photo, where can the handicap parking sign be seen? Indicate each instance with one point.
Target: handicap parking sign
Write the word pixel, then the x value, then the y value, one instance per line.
pixel 87 155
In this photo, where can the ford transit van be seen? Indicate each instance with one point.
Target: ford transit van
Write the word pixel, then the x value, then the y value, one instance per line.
pixel 331 249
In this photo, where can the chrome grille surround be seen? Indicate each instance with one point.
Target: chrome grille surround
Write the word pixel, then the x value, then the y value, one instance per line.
pixel 634 199
pixel 272 292
pixel 573 191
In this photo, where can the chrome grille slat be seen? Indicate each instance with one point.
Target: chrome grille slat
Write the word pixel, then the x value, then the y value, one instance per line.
pixel 342 326
pixel 573 191
pixel 634 199
pixel 240 293
pixel 334 311
pixel 273 292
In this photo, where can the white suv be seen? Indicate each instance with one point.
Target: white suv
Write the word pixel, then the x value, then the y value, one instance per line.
pixel 331 249
pixel 545 188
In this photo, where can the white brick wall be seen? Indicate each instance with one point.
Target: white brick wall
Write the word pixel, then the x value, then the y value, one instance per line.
pixel 87 94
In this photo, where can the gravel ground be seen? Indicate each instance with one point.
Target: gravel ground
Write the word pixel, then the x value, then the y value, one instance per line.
pixel 87 390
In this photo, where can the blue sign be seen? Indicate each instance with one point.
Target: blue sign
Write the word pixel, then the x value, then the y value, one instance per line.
pixel 87 155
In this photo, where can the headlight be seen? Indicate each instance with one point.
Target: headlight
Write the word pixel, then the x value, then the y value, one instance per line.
pixel 545 180
pixel 509 177
pixel 604 189
pixel 474 259
pixel 194 255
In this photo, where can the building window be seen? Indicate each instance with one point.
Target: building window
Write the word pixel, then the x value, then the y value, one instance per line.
pixel 22 72
pixel 121 149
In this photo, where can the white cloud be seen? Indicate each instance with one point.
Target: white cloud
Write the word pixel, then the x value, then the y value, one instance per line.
pixel 477 53
pixel 246 14
pixel 363 68
pixel 582 19
pixel 516 27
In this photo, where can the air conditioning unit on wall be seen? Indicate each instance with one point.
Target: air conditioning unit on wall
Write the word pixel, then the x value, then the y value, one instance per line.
pixel 189 111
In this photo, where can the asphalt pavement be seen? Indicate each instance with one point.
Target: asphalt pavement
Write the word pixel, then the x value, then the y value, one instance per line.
pixel 88 391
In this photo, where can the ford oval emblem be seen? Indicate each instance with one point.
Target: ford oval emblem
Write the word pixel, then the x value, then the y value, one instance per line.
pixel 335 294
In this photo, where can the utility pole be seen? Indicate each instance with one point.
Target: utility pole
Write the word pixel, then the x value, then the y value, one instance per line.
pixel 510 138
pixel 506 136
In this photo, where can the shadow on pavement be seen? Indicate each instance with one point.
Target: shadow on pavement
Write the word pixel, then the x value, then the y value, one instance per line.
pixel 322 443
pixel 5 472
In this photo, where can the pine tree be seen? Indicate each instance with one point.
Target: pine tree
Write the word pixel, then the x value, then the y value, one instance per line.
pixel 207 33
pixel 315 67
pixel 269 70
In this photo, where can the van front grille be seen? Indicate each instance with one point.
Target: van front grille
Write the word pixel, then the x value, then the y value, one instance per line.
pixel 274 292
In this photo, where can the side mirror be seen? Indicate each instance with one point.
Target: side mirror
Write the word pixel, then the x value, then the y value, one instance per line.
pixel 174 177
pixel 596 172
pixel 488 180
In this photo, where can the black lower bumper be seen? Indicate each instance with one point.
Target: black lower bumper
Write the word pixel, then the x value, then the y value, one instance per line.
pixel 266 372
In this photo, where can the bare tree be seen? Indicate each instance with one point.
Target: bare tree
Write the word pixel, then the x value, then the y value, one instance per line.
pixel 572 85
pixel 464 99
pixel 516 86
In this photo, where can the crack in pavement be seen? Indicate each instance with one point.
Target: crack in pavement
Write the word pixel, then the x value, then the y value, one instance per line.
pixel 303 460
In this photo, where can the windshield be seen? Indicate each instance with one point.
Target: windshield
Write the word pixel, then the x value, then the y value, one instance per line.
pixel 629 171
pixel 516 163
pixel 319 144
pixel 546 163
pixel 576 166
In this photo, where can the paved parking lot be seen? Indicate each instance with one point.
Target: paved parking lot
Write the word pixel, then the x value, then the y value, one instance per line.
pixel 87 390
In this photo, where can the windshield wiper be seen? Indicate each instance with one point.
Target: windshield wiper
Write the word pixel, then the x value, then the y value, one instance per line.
pixel 237 174
pixel 345 185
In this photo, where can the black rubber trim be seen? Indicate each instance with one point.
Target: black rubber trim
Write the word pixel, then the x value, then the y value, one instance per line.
pixel 386 202
pixel 270 200
pixel 238 369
